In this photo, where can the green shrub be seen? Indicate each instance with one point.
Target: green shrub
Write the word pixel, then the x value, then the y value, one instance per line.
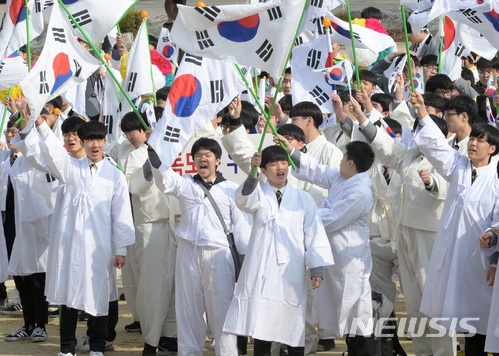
pixel 131 22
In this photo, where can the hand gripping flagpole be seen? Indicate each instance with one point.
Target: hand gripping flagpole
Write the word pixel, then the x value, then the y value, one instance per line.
pixel 144 15
pixel 5 109
pixel 407 50
pixel 104 62
pixel 354 50
pixel 28 37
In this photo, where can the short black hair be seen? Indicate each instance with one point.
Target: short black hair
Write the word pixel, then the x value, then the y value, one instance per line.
pixel 272 154
pixel 158 113
pixel 286 102
pixel 489 133
pixel 383 99
pixel 464 104
pixel 292 130
pixel 249 115
pixel 361 154
pixel 429 60
pixel 307 108
pixel 72 124
pixel 207 144
pixel 435 101
pixel 12 123
pixel 368 76
pixel 56 102
pixel 409 27
pixel 371 13
pixel 92 130
pixel 153 41
pixel 439 81
pixel 131 122
pixel 394 125
pixel 287 70
pixel 483 63
pixel 467 74
pixel 162 93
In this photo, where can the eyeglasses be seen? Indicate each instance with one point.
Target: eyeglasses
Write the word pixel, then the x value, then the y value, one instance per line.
pixel 448 114
pixel 289 138
pixel 442 92
pixel 11 132
pixel 431 68
pixel 130 134
pixel 69 134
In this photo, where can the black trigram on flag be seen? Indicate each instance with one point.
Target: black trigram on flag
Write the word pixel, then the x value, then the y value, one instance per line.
pixel 193 59
pixel 471 15
pixel 314 58
pixel 204 40
pixel 108 122
pixel 217 91
pixel 59 35
pixel 172 134
pixel 316 3
pixel 319 95
pixel 82 18
pixel 319 25
pixel 131 82
pixel 298 41
pixel 265 51
pixel 274 13
pixel 1 66
pixel 38 5
pixel 244 70
pixel 77 68
pixel 460 49
pixel 44 87
pixel 48 3
pixel 210 12
pixel 50 178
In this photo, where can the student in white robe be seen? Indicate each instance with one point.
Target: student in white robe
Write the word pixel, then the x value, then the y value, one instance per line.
pixel 28 204
pixel 345 295
pixel 150 268
pixel 90 236
pixel 287 236
pixel 457 286
pixel 415 227
pixel 204 271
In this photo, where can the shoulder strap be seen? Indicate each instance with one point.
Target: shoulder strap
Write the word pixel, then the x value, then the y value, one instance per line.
pixel 215 207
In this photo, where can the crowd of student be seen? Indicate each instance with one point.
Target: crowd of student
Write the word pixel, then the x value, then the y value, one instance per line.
pixel 321 243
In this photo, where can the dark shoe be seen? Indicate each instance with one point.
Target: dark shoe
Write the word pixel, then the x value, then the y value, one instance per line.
pixel 133 327
pixel 149 350
pixel 82 316
pixel 326 345
pixel 122 296
pixel 15 308
pixel 168 344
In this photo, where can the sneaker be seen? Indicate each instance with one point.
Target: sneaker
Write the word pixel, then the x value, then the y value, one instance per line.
pixel 169 344
pixel 3 302
pixel 68 354
pixel 95 353
pixel 54 313
pixel 83 316
pixel 122 296
pixel 53 307
pixel 133 327
pixel 109 346
pixel 149 350
pixel 12 309
pixel 19 335
pixel 39 335
pixel 326 345
pixel 83 344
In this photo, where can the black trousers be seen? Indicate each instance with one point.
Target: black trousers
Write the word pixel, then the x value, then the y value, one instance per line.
pixel 31 292
pixel 361 345
pixel 262 348
pixel 112 321
pixel 67 332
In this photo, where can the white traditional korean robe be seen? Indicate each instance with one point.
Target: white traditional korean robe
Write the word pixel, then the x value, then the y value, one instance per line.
pixel 93 224
pixel 492 339
pixel 271 293
pixel 345 293
pixel 456 286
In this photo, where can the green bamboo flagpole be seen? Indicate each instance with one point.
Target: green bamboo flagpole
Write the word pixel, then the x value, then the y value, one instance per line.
pixel 4 116
pixel 354 50
pixel 441 47
pixel 407 50
pixel 104 62
pixel 28 37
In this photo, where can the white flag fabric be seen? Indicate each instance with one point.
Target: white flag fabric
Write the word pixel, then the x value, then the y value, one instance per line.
pixel 96 17
pixel 139 79
pixel 474 41
pixel 394 70
pixel 13 69
pixel 490 115
pixel 339 74
pixel 485 21
pixel 111 115
pixel 166 47
pixel 364 37
pixel 452 50
pixel 258 36
pixel 63 64
pixel 202 87
pixel 309 84
pixel 417 5
pixel 418 85
pixel 468 8
pixel 314 16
